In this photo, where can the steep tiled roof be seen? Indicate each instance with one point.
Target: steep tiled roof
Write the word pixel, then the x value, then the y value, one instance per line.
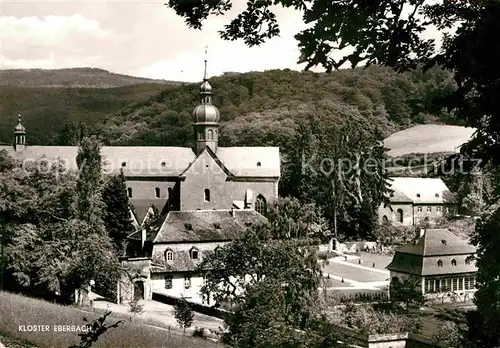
pixel 141 206
pixel 163 161
pixel 437 242
pixel 421 256
pixel 181 262
pixel 243 161
pixel 206 225
pixel 138 160
pixel 422 190
pixel 399 197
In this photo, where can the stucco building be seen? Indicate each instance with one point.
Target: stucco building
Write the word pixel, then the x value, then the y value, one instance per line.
pixel 415 200
pixel 205 195
pixel 443 263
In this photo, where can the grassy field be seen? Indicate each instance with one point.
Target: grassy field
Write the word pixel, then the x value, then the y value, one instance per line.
pixel 428 138
pixel 17 311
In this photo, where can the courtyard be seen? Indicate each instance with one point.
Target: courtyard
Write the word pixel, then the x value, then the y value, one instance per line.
pixel 364 272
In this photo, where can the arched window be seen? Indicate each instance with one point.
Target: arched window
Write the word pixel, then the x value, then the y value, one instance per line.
pixel 157 192
pixel 258 164
pixel 217 250
pixel 207 195
pixel 385 219
pixel 129 192
pixel 400 215
pixel 261 205
pixel 440 263
pixel 169 255
pixel 453 262
pixel 163 164
pixel 210 134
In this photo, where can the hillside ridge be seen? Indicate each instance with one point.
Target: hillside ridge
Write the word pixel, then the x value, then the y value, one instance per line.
pixel 84 77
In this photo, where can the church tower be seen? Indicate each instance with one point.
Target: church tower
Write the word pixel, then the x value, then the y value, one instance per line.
pixel 206 118
pixel 19 136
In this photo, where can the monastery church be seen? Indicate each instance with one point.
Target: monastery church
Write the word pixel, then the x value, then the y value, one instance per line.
pixel 206 196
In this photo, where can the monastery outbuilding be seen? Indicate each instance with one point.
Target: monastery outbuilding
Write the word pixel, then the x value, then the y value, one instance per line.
pixel 417 200
pixel 443 263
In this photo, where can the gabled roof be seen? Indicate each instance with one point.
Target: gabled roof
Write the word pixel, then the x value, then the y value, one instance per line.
pixel 141 207
pixel 422 190
pixel 138 160
pixel 214 157
pixel 206 225
pixel 399 197
pixel 242 161
pixel 437 242
pixel 163 161
pixel 421 256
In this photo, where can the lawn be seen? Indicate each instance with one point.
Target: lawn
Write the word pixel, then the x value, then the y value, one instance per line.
pixel 354 273
pixel 18 310
pixel 381 261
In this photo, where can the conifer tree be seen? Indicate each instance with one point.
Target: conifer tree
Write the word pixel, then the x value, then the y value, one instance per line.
pixel 183 314
pixel 117 214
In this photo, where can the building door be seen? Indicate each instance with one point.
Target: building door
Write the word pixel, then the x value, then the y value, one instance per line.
pixel 139 290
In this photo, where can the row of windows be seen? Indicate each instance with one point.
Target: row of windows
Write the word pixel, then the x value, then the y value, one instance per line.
pixel 187 282
pixel 454 262
pixel 163 164
pixel 169 280
pixel 194 254
pixel 449 284
pixel 157 192
pixel 429 209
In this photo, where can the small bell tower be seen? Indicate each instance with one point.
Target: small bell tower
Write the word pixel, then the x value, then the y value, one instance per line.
pixel 206 117
pixel 19 136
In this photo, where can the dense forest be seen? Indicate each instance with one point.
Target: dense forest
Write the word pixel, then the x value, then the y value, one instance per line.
pixel 257 108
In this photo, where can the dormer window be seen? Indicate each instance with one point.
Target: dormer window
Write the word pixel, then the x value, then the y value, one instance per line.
pixel 418 195
pixel 188 227
pixel 169 255
pixel 453 262
pixel 194 254
pixel 258 164
pixel 440 263
pixel 124 164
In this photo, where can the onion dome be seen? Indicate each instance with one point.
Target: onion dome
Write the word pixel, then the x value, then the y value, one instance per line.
pixel 206 113
pixel 19 128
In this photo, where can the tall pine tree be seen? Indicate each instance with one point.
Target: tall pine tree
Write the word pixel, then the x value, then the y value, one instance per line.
pixel 117 214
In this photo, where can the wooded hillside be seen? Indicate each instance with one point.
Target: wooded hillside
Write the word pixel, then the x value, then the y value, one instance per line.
pixel 257 108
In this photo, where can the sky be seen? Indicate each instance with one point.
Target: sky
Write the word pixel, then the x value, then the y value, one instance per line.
pixel 139 38
pixel 135 37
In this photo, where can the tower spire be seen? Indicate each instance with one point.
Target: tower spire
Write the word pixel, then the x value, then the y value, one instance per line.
pixel 205 75
pixel 19 135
